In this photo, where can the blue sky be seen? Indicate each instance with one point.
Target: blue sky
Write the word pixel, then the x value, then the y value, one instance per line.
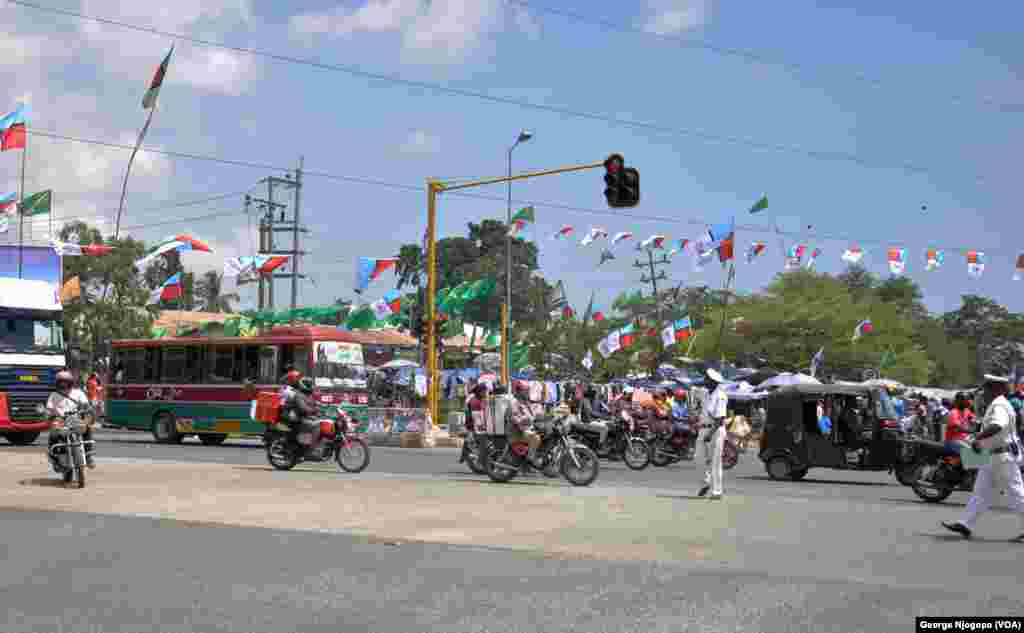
pixel 930 131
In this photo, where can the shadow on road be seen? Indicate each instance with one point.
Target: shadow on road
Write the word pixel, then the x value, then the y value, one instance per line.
pixel 954 538
pixel 683 497
pixel 919 502
pixel 45 482
pixel 835 482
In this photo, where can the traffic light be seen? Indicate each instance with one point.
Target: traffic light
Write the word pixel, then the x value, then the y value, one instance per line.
pixel 622 184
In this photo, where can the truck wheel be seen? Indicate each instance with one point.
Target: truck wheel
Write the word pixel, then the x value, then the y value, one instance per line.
pixel 22 438
pixel 165 431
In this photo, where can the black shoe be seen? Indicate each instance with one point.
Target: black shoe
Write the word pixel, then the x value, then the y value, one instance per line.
pixel 959 528
pixel 703 491
pixel 1019 539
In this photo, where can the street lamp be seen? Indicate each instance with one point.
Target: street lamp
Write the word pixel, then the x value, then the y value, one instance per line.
pixel 523 137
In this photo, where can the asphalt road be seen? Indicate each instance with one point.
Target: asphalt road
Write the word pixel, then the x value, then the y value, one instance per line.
pixel 748 477
pixel 78 573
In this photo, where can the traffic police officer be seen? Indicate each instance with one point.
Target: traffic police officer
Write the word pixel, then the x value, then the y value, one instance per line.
pixel 1003 473
pixel 712 434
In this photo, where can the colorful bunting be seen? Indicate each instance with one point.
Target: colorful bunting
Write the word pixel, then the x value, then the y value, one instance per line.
pixel 177 243
pixel 654 241
pixel 170 289
pixel 390 303
pixel 794 256
pixel 563 232
pixel 813 258
pixel 760 205
pixel 624 235
pixel 12 129
pixel 627 336
pixel 521 218
pixel 38 203
pixel 755 249
pixel 683 329
pixel 74 249
pixel 149 99
pixel 370 268
pixel 606 256
pixel 722 238
pixel 1019 272
pixel 934 259
pixel 249 268
pixel 595 233
pixel 864 327
pixel 598 316
pixel 897 260
pixel 975 264
pixel 853 255
pixel 8 203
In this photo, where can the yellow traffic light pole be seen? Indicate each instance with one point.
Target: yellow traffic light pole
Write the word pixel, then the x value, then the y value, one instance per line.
pixel 435 187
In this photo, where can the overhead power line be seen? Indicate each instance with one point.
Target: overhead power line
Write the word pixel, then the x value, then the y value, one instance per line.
pixel 752 56
pixel 420 190
pixel 822 155
pixel 162 209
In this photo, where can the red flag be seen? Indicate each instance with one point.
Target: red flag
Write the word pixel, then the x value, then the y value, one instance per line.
pixel 598 316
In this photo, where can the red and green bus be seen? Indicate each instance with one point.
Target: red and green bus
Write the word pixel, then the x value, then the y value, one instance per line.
pixel 176 387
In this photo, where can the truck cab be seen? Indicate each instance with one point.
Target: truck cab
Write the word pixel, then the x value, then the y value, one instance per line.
pixel 32 351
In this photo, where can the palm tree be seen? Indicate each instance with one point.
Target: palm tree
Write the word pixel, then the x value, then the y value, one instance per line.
pixel 210 295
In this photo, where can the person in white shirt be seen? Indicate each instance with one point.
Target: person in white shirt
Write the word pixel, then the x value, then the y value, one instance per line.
pixel 711 440
pixel 1002 474
pixel 66 399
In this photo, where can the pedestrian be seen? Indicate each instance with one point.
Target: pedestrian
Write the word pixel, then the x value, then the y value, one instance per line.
pixel 1003 473
pixel 712 434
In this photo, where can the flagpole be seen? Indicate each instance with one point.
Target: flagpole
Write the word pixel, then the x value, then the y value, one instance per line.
pixel 21 211
pixel 725 306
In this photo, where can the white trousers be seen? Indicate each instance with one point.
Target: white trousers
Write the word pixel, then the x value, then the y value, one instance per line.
pixel 1001 476
pixel 711 451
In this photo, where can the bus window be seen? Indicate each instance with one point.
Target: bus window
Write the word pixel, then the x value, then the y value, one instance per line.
pixel 300 358
pixel 221 364
pixel 194 364
pixel 268 364
pixel 152 365
pixel 134 361
pixel 250 366
pixel 174 365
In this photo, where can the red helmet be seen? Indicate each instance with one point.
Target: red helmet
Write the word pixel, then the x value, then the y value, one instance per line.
pixel 680 393
pixel 520 386
pixel 293 377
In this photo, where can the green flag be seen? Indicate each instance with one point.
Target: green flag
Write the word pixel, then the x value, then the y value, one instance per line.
pixel 361 319
pixel 159 332
pixel 481 289
pixel 524 215
pixel 37 203
pixel 518 356
pixel 492 339
pixel 760 205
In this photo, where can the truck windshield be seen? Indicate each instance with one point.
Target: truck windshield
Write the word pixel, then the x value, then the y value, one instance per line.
pixel 25 333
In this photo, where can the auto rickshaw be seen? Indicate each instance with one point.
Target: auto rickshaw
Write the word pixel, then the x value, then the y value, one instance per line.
pixel 865 433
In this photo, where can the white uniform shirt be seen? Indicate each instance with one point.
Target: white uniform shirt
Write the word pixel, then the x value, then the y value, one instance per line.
pixel 1000 412
pixel 59 404
pixel 716 405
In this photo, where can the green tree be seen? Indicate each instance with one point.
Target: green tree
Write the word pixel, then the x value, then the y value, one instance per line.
pixel 209 291
pixel 90 321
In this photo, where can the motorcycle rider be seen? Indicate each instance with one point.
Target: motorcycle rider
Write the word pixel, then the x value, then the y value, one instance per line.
pixel 521 417
pixel 299 411
pixel 65 400
pixel 589 412
pixel 1002 474
pixel 291 383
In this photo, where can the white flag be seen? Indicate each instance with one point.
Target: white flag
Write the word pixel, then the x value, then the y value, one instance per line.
pixel 66 249
pixel 614 342
pixel 602 348
pixel 853 255
pixel 588 360
pixel 668 335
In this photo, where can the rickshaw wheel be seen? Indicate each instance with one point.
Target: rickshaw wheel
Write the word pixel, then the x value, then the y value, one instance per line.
pixel 779 468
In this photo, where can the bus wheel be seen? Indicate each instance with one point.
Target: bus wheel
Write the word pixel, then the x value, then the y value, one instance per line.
pixel 22 438
pixel 213 439
pixel 165 430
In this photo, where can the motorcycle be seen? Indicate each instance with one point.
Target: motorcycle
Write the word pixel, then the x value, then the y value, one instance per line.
pixel 67 456
pixel 337 442
pixel 673 442
pixel 557 454
pixel 937 475
pixel 621 440
pixel 473 446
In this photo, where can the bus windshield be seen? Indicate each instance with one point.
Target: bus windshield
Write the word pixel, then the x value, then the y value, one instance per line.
pixel 40 334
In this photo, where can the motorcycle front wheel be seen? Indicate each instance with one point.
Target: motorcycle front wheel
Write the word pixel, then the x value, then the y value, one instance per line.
pixel 353 458
pixel 637 455
pixel 498 472
pixel 281 455
pixel 660 453
pixel 473 451
pixel 586 472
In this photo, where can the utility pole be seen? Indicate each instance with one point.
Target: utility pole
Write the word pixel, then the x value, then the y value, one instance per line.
pixel 653 278
pixel 274 221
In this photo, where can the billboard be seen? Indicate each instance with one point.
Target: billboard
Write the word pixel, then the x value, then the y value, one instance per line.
pixel 37 262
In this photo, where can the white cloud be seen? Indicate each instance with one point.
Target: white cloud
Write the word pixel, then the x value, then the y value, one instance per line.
pixel 432 32
pixel 671 17
pixel 420 142
pixel 218 70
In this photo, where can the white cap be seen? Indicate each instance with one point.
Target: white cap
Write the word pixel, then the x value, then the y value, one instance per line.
pixel 627 389
pixel 999 379
pixel 714 375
